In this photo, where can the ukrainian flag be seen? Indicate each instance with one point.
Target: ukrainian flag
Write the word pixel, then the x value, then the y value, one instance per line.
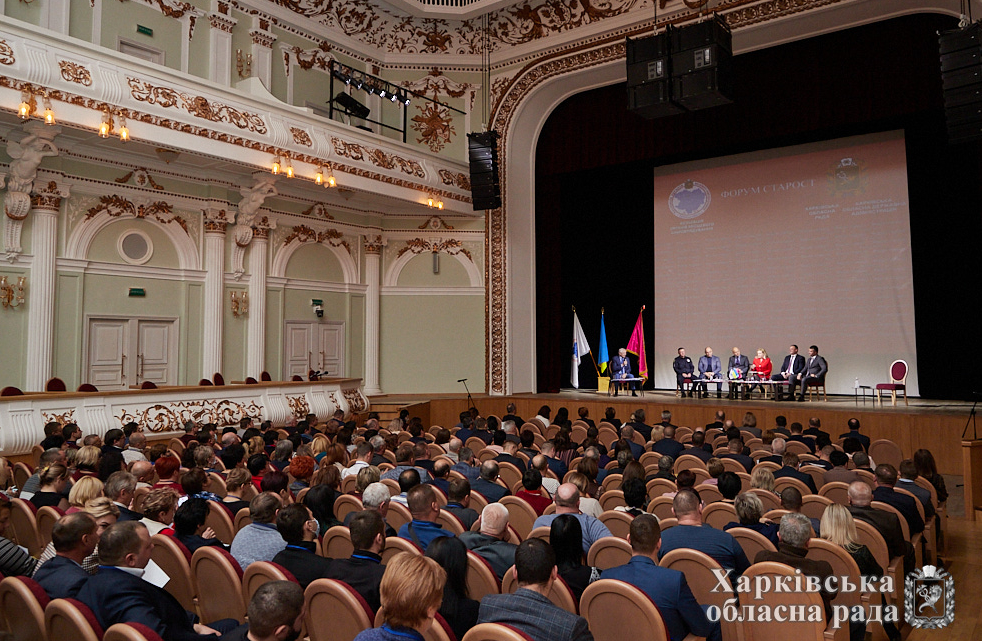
pixel 603 356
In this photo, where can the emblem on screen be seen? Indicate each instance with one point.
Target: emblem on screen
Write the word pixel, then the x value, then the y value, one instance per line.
pixel 929 598
pixel 689 200
pixel 848 177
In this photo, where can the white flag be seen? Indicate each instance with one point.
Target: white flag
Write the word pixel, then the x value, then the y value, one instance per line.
pixel 580 349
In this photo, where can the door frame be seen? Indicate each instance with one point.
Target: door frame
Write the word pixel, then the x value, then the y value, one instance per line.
pixel 315 337
pixel 174 348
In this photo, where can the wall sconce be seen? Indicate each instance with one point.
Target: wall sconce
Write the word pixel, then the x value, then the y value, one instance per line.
pixel 28 105
pixel 275 169
pixel 289 167
pixel 49 114
pixel 108 125
pixel 124 131
pixel 331 182
pixel 243 65
pixel 434 202
pixel 240 303
pixel 12 295
pixel 319 176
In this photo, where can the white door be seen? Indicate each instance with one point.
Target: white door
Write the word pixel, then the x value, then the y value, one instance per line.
pixel 317 346
pixel 108 341
pixel 124 352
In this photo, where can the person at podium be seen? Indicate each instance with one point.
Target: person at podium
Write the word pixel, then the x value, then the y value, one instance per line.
pixel 710 369
pixel 620 368
pixel 683 371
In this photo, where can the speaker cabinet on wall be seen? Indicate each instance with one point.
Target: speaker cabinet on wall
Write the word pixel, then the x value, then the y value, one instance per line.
pixel 961 82
pixel 482 151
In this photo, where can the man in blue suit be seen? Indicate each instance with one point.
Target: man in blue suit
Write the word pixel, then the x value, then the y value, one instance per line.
pixel 119 593
pixel 736 371
pixel 667 588
pixel 709 368
pixel 74 537
pixel 620 367
pixel 794 364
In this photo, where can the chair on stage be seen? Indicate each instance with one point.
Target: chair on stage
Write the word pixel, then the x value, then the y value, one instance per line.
pixel 898 383
pixel 818 387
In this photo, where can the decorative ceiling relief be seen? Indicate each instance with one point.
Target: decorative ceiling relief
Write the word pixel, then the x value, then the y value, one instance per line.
pixel 319 210
pixel 319 57
pixel 525 23
pixel 74 72
pixel 304 234
pixel 141 176
pixel 6 54
pixel 435 222
pixel 455 179
pixel 117 206
pixel 450 246
pixel 195 105
pixel 377 157
pixel 432 122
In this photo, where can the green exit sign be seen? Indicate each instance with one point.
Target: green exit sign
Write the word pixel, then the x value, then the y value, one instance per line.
pixel 147 31
pixel 138 292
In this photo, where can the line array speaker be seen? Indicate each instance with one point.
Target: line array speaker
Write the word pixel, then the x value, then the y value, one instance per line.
pixel 961 82
pixel 482 151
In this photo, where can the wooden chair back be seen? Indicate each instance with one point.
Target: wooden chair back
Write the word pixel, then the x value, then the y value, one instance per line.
pixel 718 514
pixel 174 559
pixel 481 579
pixel 611 607
pixel 336 543
pixel 619 523
pixel 218 582
pixel 752 542
pixel 609 552
pixel 335 612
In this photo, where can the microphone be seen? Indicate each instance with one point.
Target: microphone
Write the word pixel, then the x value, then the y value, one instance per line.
pixel 461 380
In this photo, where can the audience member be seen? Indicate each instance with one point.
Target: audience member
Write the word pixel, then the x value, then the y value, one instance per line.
pixel 729 485
pixel 567 501
pixel 485 484
pixel 491 542
pixel 528 609
pixel 750 513
pixel 549 480
pixel 790 464
pixel 926 467
pixel 635 497
pixel 531 484
pixel 376 498
pixel 457 609
pixel 886 479
pixel 53 480
pixel 792 500
pixel 566 538
pixel 298 528
pixel 411 594
pixel 467 464
pixel 839 472
pixel 190 527
pixel 259 540
pixel 425 510
pixel 458 502
pixel 74 538
pixel 734 450
pixel 159 508
pixel 238 482
pixel 692 533
pixel 886 523
pixel 320 499
pixel 363 570
pixel 275 613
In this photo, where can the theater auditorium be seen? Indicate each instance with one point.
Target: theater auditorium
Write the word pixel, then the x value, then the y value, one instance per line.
pixel 481 320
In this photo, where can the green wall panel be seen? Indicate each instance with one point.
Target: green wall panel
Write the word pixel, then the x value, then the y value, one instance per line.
pixel 315 262
pixel 104 245
pixel 13 324
pixel 236 339
pixel 68 329
pixel 419 272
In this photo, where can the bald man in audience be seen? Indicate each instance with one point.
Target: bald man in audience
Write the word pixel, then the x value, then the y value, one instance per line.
pixel 551 484
pixel 74 538
pixel 485 484
pixel 693 534
pixel 886 523
pixel 666 588
pixel 491 542
pixel 567 499
pixel 886 478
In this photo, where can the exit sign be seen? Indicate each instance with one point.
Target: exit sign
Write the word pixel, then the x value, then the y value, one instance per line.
pixel 147 31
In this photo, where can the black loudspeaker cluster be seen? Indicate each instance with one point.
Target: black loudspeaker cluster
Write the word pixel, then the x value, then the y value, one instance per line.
pixel 681 69
pixel 961 80
pixel 482 151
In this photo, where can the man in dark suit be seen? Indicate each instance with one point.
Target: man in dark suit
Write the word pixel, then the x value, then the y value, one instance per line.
pixel 667 588
pixel 815 428
pixel 839 472
pixel 638 419
pixel 886 523
pixel 627 436
pixel 508 456
pixel 490 542
pixel 736 372
pixel 120 487
pixel 363 570
pixel 790 464
pixel 886 478
pixel 791 500
pixel 620 367
pixel 794 364
pixel 907 481
pixel 698 448
pixel 794 535
pixel 735 451
pixel 797 435
pixel 683 371
pixel 485 484
pixel 529 608
pixel 458 502
pixel 440 475
pixel 778 446
pixel 718 423
pixel 298 527
pixel 558 467
pixel 511 416
pixel 781 426
pixel 275 612
pixel 854 433
pixel 584 414
pixel 668 446
pixel 814 373
pixel 119 594
pixel 74 538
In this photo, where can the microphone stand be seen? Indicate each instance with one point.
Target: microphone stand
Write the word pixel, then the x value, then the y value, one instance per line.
pixel 470 399
pixel 971 421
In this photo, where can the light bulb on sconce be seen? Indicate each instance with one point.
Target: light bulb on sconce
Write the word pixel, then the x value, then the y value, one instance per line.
pixel 276 166
pixel 331 182
pixel 240 303
pixel 49 114
pixel 124 131
pixel 12 295
pixel 106 127
pixel 289 168
pixel 319 176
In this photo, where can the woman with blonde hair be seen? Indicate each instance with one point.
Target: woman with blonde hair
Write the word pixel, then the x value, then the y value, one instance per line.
pixel 588 505
pixel 105 513
pixel 86 462
pixel 762 478
pixel 335 454
pixel 86 488
pixel 256 445
pixel 715 468
pixel 158 510
pixel 53 479
pixel 411 593
pixel 762 367
pixel 238 482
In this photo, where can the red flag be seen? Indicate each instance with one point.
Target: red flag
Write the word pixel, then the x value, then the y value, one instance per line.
pixel 636 346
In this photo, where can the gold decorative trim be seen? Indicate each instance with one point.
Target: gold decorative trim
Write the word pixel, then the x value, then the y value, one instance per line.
pixel 455 179
pixel 198 106
pixel 172 416
pixel 141 176
pixel 299 406
pixel 377 157
pixel 304 234
pixel 374 244
pixel 220 22
pixel 262 38
pixel 7 56
pixel 67 417
pixel 435 222
pixel 74 72
pixel 319 57
pixel 117 206
pixel 48 197
pixel 451 246
pixel 301 137
pixel 317 209
pixel 215 226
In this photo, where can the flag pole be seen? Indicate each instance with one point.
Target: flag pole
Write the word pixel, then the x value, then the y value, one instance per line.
pixel 595 366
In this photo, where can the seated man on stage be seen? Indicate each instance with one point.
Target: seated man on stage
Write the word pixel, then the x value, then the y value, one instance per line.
pixel 620 368
pixel 710 368
pixel 736 372
pixel 683 371
pixel 794 363
pixel 813 374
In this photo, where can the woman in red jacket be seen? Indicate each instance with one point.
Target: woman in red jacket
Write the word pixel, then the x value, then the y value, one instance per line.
pixel 762 368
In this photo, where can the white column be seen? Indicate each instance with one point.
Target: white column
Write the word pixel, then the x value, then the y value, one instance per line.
pixel 212 342
pixel 41 291
pixel 373 255
pixel 256 328
pixel 220 63
pixel 262 53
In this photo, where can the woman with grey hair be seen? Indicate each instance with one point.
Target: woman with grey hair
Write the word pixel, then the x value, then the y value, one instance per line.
pixel 750 512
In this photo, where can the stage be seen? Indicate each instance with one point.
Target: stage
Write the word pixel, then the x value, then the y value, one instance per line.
pixel 936 425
